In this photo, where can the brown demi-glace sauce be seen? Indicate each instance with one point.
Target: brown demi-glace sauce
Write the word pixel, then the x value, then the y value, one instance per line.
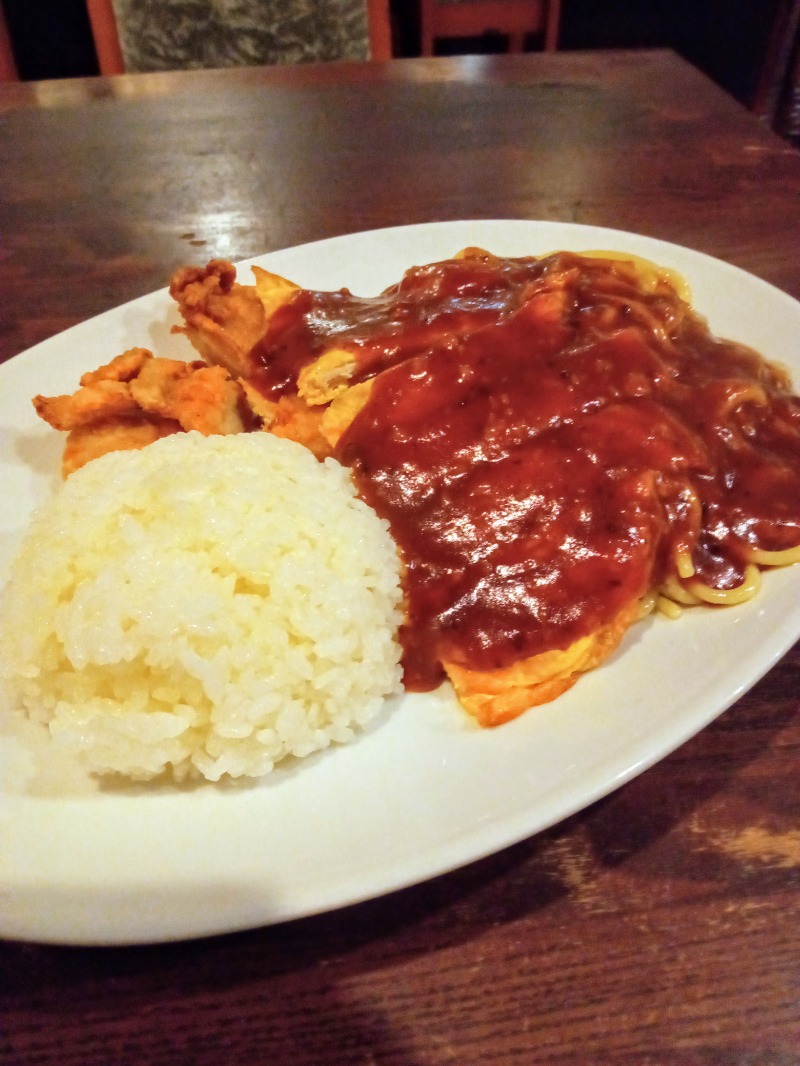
pixel 538 435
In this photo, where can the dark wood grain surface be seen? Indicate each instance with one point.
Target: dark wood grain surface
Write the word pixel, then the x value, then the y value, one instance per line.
pixel 661 925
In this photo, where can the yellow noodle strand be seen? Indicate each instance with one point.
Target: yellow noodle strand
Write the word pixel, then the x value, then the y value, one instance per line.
pixel 669 608
pixel 648 603
pixel 683 564
pixel 777 558
pixel 673 590
pixel 746 393
pixel 728 597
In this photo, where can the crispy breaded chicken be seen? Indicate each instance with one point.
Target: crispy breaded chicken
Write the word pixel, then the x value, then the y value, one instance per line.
pixel 294 420
pixel 112 434
pixel 223 319
pixel 103 393
pixel 136 399
pixel 204 398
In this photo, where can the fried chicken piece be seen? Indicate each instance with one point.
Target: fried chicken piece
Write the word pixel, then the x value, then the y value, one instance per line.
pixel 90 404
pixel 223 319
pixel 211 402
pixel 295 420
pixel 199 397
pixel 289 417
pixel 121 368
pixel 152 386
pixel 263 409
pixel 103 393
pixel 113 434
pixel 136 399
pixel 317 428
pixel 494 697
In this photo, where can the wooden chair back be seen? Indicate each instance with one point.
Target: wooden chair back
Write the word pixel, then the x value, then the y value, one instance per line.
pixel 514 19
pixel 8 66
pixel 777 94
pixel 136 35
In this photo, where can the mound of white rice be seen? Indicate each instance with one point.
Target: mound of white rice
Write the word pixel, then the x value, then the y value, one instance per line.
pixel 207 604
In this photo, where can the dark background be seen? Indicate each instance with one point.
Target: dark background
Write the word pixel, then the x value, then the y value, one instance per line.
pixel 724 38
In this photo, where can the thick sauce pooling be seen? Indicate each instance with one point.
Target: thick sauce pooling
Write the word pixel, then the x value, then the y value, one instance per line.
pixel 547 437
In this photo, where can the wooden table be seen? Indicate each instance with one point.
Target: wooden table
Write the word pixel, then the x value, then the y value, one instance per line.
pixel 661 924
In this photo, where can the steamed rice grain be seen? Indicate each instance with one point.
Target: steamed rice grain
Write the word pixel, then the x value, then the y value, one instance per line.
pixel 208 605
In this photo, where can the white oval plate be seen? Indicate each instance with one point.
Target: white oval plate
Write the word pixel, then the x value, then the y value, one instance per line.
pixel 424 791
